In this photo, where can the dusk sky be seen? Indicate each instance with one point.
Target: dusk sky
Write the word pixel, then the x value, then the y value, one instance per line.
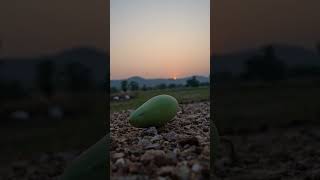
pixel 33 27
pixel 242 24
pixel 159 38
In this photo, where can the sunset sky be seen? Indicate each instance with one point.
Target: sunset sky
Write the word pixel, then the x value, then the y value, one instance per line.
pixel 242 24
pixel 169 36
pixel 159 38
pixel 34 27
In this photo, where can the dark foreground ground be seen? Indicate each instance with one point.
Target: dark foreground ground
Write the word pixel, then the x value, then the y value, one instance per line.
pixel 40 147
pixel 282 153
pixel 274 130
pixel 179 150
pixel 277 153
pixel 45 166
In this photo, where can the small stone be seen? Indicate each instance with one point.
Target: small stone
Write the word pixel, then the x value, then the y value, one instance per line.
pixel 117 155
pixel 166 171
pixel 151 154
pixel 20 115
pixel 134 167
pixel 153 146
pixel 171 136
pixel 120 162
pixel 183 172
pixel 196 167
pixel 144 142
pixel 191 140
pixel 151 131
pixel 172 156
pixel 162 178
pixel 158 157
pixel 127 97
pixel 55 112
pixel 156 138
pixel 136 150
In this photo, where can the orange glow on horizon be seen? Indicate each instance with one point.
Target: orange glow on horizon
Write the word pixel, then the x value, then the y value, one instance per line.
pixel 157 40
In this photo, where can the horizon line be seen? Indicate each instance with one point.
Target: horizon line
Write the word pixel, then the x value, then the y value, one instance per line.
pixel 169 78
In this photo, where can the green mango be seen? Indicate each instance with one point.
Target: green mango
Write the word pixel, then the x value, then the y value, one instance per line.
pixel 157 111
pixel 91 164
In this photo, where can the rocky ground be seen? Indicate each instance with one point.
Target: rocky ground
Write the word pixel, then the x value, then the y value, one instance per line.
pixel 282 153
pixel 179 150
pixel 45 166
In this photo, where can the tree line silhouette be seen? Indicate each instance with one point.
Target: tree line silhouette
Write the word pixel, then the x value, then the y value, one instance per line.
pixel 74 77
pixel 134 86
pixel 267 67
pixel 50 78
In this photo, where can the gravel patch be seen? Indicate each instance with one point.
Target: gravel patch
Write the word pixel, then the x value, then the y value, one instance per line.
pixel 45 166
pixel 179 150
pixel 280 153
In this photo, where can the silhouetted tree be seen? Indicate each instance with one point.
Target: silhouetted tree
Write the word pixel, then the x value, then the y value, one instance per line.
pixel 124 85
pixel 45 77
pixel 114 90
pixel 266 67
pixel 144 88
pixel 223 76
pixel 318 47
pixel 171 86
pixel 204 84
pixel 1 66
pixel 11 90
pixel 304 71
pixel 193 82
pixel 78 77
pixel 1 62
pixel 134 86
pixel 162 86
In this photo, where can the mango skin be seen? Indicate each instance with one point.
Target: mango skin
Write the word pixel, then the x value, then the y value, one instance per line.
pixel 93 163
pixel 156 112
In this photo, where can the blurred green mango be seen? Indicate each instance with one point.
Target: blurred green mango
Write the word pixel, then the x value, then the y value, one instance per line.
pixel 91 164
pixel 157 111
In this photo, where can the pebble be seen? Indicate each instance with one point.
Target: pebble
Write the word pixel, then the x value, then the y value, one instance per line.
pixel 118 155
pixel 196 167
pixel 120 163
pixel 189 140
pixel 151 131
pixel 183 172
pixel 166 171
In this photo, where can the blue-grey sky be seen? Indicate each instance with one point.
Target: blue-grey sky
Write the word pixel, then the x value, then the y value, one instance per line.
pixel 159 38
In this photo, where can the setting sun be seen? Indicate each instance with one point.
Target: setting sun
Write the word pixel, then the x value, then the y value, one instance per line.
pixel 153 39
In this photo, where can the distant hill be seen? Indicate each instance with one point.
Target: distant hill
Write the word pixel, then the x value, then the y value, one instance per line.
pixel 24 69
pixel 153 82
pixel 291 55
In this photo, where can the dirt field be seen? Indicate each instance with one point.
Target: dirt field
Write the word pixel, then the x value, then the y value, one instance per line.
pixel 179 150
